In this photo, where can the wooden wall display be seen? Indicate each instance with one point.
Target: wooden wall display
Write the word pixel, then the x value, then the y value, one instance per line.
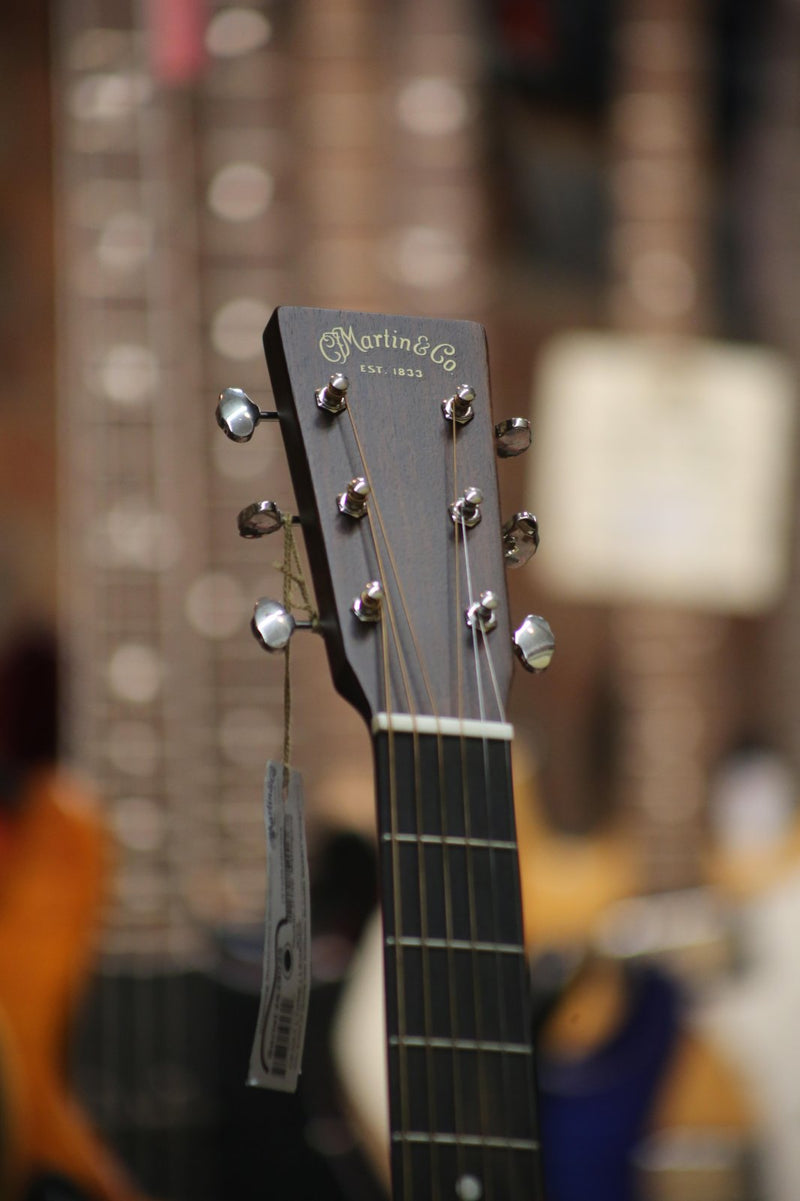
pixel 290 153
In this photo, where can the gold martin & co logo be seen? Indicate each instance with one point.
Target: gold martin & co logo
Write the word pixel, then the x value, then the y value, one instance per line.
pixel 336 345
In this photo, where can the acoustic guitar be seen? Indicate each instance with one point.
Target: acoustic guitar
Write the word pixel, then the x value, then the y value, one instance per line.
pixel 54 862
pixel 52 876
pixel 389 434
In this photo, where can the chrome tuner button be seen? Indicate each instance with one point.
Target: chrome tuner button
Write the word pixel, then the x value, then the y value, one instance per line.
pixel 458 407
pixel 369 605
pixel 467 509
pixel 534 643
pixel 481 614
pixel 260 518
pixel 238 416
pixel 520 539
pixel 512 437
pixel 333 397
pixel 272 625
pixel 353 502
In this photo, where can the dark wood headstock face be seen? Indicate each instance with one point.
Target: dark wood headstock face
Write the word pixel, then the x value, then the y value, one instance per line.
pixel 393 432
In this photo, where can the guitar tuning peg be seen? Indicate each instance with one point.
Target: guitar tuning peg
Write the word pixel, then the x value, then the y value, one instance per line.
pixel 512 436
pixel 260 518
pixel 458 407
pixel 520 539
pixel 481 614
pixel 237 415
pixel 333 397
pixel 353 502
pixel 368 607
pixel 534 643
pixel 273 625
pixel 467 508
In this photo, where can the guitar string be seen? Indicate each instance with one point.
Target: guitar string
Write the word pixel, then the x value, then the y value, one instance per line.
pixel 460 536
pixel 374 507
pixel 501 710
pixel 420 658
pixel 402 1050
pixel 476 973
pixel 446 852
pixel 473 626
pixel 402 1018
pixel 403 1045
pixel 482 709
pixel 487 781
pixel 502 994
pixel 493 675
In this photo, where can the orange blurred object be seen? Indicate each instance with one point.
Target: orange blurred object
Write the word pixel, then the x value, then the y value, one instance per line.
pixel 52 869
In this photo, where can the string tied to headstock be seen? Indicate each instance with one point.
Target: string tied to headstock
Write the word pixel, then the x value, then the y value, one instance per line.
pixel 296 597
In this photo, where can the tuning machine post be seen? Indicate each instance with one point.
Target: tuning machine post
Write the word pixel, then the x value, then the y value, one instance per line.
pixel 467 509
pixel 520 539
pixel 238 415
pixel 458 407
pixel 481 614
pixel 333 397
pixel 368 605
pixel 353 501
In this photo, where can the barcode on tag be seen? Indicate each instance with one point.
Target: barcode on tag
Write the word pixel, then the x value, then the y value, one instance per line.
pixel 283 1034
pixel 280 1030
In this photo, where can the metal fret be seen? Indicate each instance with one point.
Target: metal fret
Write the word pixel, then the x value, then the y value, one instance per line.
pixel 454 840
pixel 465 1140
pixel 460 1044
pixel 455 944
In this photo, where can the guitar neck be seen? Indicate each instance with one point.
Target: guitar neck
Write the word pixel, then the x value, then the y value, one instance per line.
pixel 462 1112
pixel 416 441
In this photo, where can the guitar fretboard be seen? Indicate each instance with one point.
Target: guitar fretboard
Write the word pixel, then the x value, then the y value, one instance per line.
pixel 663 754
pixel 461 1099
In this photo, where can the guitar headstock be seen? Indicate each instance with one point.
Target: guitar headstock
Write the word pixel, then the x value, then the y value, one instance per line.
pixel 387 425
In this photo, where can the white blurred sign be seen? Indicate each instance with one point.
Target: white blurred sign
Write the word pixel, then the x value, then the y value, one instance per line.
pixel 663 471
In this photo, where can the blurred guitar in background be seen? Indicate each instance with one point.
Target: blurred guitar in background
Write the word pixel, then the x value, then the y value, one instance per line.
pixel 53 878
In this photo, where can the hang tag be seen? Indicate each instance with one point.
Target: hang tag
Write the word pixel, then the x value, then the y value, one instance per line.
pixel 665 471
pixel 277 1052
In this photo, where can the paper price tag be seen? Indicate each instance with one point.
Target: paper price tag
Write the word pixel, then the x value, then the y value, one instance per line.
pixel 275 1059
pixel 664 471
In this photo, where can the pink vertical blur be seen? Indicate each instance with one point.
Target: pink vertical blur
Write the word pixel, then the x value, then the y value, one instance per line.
pixel 176 34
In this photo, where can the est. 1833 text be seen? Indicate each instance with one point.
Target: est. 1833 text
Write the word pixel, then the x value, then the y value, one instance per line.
pixel 379 369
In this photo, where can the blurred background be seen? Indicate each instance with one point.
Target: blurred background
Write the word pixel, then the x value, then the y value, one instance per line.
pixel 611 188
